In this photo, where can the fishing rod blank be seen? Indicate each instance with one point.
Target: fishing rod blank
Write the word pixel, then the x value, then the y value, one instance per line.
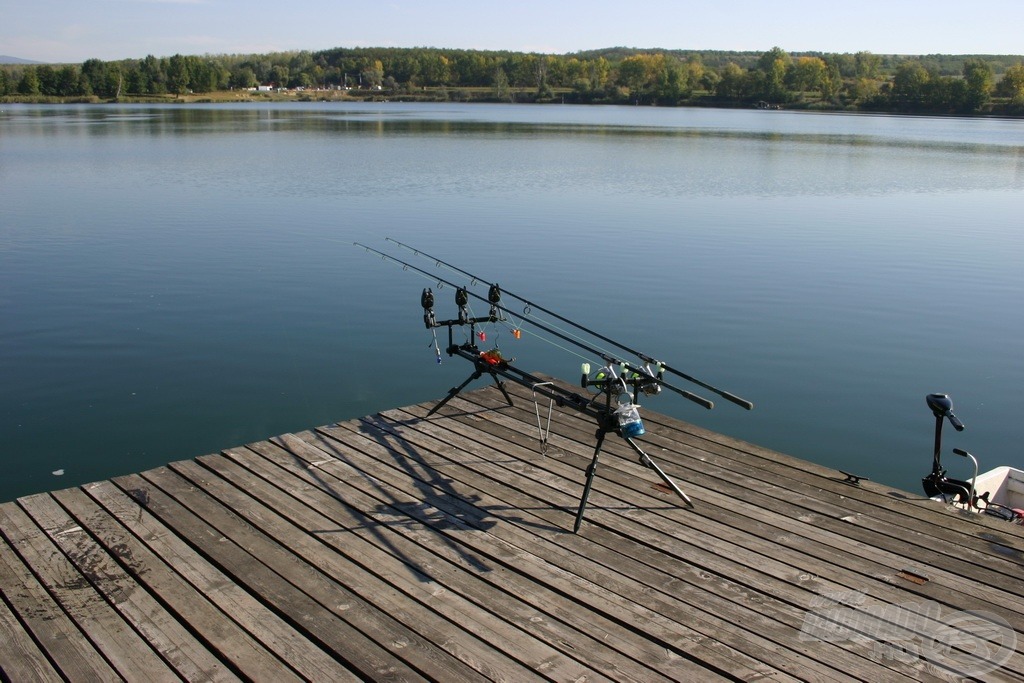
pixel 700 400
pixel 743 403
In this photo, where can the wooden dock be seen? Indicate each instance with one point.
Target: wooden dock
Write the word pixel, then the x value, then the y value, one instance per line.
pixel 401 548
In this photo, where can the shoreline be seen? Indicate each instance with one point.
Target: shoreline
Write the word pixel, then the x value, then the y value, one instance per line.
pixel 461 96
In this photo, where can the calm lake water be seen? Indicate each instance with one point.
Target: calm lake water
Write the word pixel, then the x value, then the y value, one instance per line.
pixel 176 280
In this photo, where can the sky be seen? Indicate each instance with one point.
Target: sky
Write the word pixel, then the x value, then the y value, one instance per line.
pixel 71 31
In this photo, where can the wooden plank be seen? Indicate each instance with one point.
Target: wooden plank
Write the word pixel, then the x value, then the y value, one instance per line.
pixel 672 634
pixel 791 524
pixel 375 566
pixel 455 568
pixel 397 547
pixel 878 519
pixel 193 515
pixel 718 535
pixel 799 480
pixel 71 652
pixel 20 657
pixel 721 631
pixel 307 543
pixel 190 659
pixel 986 590
pixel 237 627
pixel 118 643
pixel 740 569
pixel 475 414
pixel 766 506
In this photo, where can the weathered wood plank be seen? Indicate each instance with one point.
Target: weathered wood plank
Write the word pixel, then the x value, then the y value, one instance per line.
pixel 399 583
pixel 236 626
pixel 791 524
pixel 452 564
pixel 844 527
pixel 723 633
pixel 729 606
pixel 307 543
pixel 401 547
pixel 138 607
pixel 118 643
pixel 471 414
pixel 673 630
pixel 193 515
pixel 716 535
pixel 20 657
pixel 788 477
pixel 72 653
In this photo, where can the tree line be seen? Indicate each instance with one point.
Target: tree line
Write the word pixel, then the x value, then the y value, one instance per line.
pixel 776 78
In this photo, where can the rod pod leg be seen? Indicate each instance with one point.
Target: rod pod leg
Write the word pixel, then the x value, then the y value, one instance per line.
pixel 453 391
pixel 477 374
pixel 501 385
pixel 647 461
pixel 591 471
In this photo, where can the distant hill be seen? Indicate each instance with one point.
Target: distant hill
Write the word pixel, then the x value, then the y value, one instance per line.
pixel 7 59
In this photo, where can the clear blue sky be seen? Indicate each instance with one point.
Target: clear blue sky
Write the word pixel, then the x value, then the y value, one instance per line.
pixel 76 30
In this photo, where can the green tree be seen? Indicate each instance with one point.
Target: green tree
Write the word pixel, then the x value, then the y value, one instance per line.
pixel 598 73
pixel 867 65
pixel 94 73
pixel 279 75
pixel 373 74
pixel 436 69
pixel 864 91
pixel 243 77
pixel 203 76
pixel 69 81
pixel 633 74
pixel 152 76
pixel 909 86
pixel 978 78
pixel 671 86
pixel 694 73
pixel 808 74
pixel 47 80
pixel 178 75
pixel 772 67
pixel 1012 84
pixel 405 68
pixel 29 83
pixel 732 83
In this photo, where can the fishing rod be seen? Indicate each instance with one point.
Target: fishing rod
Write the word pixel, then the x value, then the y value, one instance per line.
pixel 493 298
pixel 618 379
pixel 743 403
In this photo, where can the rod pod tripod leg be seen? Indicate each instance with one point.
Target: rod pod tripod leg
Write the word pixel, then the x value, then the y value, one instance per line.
pixel 648 461
pixel 591 471
pixel 645 460
pixel 477 374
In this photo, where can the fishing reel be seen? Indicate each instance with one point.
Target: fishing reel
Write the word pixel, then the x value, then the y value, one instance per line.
pixel 625 418
pixel 649 381
pixel 643 380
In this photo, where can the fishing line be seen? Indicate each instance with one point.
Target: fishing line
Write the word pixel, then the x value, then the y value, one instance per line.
pixel 612 382
pixel 527 308
pixel 743 403
pixel 646 373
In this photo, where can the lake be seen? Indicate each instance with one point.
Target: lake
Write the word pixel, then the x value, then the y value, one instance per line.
pixel 175 280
